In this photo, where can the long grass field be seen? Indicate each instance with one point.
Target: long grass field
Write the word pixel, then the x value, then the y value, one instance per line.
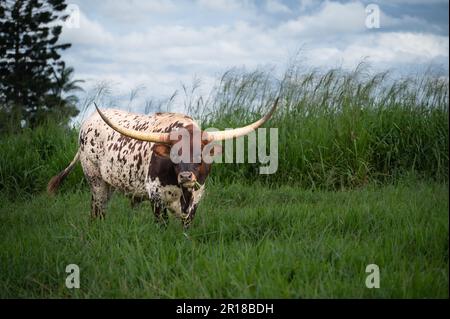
pixel 362 179
pixel 247 242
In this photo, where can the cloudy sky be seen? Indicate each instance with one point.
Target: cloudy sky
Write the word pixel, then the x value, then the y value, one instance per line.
pixel 156 45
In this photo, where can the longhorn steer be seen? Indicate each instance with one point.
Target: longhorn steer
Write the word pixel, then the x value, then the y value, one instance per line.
pixel 131 153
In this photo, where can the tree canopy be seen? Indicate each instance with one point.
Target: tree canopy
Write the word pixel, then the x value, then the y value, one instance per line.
pixel 35 83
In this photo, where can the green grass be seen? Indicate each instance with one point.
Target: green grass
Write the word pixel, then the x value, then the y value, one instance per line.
pixel 246 241
pixel 343 197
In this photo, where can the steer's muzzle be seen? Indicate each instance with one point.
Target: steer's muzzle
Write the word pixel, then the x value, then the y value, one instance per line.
pixel 186 179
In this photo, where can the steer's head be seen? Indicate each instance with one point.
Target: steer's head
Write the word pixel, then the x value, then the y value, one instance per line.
pixel 187 149
pixel 189 152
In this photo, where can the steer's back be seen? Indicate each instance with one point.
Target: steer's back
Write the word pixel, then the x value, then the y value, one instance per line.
pixel 118 160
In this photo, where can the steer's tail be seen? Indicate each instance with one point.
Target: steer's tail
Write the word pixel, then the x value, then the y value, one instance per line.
pixel 54 183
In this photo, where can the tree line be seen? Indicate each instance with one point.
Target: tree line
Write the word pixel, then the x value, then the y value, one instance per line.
pixel 36 85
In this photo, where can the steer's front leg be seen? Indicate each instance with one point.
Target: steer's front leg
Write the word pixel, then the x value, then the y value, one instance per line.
pixel 189 217
pixel 161 216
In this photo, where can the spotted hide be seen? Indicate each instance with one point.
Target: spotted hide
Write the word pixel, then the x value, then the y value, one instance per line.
pixel 111 161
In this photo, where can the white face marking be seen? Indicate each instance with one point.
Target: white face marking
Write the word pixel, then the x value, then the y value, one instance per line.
pixel 170 196
pixel 197 195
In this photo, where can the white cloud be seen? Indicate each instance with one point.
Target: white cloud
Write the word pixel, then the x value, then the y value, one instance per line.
pixel 415 45
pixel 274 6
pixel 225 5
pixel 132 8
pixel 89 33
pixel 384 50
pixel 332 17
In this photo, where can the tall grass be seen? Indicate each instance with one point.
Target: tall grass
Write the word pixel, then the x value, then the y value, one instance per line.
pixel 337 129
pixel 28 160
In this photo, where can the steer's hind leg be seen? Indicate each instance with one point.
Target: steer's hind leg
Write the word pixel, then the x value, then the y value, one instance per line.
pixel 100 195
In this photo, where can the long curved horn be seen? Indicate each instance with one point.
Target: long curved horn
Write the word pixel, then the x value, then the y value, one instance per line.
pixel 142 136
pixel 241 131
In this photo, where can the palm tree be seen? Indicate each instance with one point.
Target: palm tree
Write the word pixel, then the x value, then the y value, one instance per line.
pixel 60 102
pixel 65 85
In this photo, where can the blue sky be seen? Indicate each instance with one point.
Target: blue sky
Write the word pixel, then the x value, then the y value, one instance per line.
pixel 156 45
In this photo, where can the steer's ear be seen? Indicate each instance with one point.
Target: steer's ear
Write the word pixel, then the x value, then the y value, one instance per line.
pixel 162 150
